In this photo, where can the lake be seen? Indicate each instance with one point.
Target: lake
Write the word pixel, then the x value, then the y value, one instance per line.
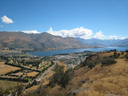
pixel 64 51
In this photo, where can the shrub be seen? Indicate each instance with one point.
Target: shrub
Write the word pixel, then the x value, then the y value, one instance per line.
pixel 126 56
pixel 91 61
pixel 60 77
pixel 108 61
pixel 118 54
pixel 91 65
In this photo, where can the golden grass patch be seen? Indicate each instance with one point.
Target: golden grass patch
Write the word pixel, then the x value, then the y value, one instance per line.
pixel 6 68
pixel 32 74
pixel 109 80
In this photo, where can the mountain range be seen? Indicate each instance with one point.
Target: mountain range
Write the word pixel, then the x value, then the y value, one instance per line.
pixel 46 41
pixel 104 43
pixel 43 41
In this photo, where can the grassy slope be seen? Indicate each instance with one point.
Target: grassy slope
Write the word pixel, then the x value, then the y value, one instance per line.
pixel 7 84
pixel 111 80
pixel 104 81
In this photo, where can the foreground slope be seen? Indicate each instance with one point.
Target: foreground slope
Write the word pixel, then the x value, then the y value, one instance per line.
pixel 43 41
pixel 94 77
pixel 109 80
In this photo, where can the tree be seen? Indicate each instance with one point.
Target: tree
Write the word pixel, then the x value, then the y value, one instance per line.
pixel 60 77
pixel 126 56
pixel 115 55
pixel 122 53
pixel 108 61
pixel 24 62
pixel 118 54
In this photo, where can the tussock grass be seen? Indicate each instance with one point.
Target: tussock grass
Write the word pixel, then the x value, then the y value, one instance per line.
pixel 111 79
pixel 101 80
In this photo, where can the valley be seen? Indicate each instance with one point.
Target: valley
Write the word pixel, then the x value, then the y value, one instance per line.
pixel 63 47
pixel 33 64
pixel 101 74
pixel 28 70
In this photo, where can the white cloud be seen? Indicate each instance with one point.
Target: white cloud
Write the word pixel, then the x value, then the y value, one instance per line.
pixel 99 35
pixel 122 38
pixel 113 37
pixel 77 32
pixel 82 33
pixel 31 32
pixel 6 20
pixel 1 26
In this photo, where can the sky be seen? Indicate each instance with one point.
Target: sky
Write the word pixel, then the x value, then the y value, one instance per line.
pixel 101 19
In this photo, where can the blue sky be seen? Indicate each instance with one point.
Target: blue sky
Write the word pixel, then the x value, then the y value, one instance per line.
pixel 102 19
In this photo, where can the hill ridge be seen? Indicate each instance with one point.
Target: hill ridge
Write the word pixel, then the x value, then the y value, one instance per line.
pixel 43 41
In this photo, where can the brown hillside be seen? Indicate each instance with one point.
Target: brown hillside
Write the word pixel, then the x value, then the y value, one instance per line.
pixel 108 80
pixel 43 41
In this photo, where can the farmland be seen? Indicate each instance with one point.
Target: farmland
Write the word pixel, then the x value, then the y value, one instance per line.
pixel 6 68
pixel 7 84
pixel 21 69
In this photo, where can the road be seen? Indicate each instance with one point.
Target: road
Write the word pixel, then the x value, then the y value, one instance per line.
pixel 80 90
pixel 39 78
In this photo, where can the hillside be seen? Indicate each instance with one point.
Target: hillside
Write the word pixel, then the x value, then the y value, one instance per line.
pixel 93 77
pixel 43 41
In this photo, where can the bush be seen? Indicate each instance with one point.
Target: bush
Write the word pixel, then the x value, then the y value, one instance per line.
pixel 118 54
pixel 91 65
pixel 60 77
pixel 108 61
pixel 91 61
pixel 126 56
pixel 122 53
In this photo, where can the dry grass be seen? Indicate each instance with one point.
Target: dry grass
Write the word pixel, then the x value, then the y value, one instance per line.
pixel 107 54
pixel 32 74
pixel 7 84
pixel 62 64
pixel 31 89
pixel 19 73
pixel 108 80
pixel 44 81
pixel 46 78
pixel 6 68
